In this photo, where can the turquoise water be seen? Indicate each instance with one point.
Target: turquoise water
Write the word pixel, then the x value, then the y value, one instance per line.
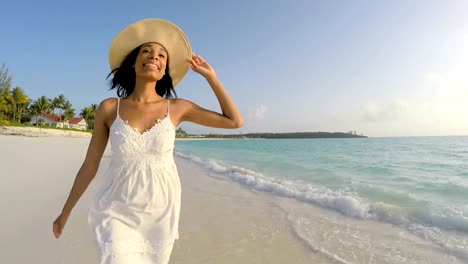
pixel 417 183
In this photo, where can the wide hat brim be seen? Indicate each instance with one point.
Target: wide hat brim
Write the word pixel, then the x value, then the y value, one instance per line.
pixel 161 31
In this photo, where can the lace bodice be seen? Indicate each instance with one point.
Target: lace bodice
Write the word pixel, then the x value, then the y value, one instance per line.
pixel 129 143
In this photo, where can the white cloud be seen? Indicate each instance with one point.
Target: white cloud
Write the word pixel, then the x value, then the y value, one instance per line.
pixel 390 112
pixel 439 116
pixel 443 112
pixel 258 113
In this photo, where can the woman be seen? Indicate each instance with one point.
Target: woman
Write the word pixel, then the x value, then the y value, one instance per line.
pixel 135 217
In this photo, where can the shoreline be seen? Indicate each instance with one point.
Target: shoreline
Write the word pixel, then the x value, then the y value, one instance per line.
pixel 221 222
pixel 357 231
pixel 224 222
pixel 331 237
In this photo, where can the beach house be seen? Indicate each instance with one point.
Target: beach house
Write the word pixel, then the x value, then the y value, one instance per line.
pixel 47 120
pixel 78 123
pixel 54 121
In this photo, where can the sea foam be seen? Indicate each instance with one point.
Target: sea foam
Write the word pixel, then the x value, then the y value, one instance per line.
pixel 424 223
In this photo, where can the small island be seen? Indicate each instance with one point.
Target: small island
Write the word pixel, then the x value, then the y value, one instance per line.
pixel 182 134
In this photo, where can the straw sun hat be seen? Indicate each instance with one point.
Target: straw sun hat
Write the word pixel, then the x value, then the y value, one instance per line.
pixel 157 30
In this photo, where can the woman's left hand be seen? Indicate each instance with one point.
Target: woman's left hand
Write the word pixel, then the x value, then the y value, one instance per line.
pixel 199 65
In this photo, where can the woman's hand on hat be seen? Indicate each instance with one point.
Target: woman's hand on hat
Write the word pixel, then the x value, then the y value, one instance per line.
pixel 200 66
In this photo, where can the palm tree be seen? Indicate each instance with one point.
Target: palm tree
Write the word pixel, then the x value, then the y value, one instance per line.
pixel 68 111
pixel 60 104
pixel 17 98
pixel 86 113
pixel 93 107
pixel 54 103
pixel 89 113
pixel 40 106
pixel 3 106
pixel 93 115
pixel 5 84
pixel 22 111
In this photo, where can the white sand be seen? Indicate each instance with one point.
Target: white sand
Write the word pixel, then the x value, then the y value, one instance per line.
pixel 41 132
pixel 221 222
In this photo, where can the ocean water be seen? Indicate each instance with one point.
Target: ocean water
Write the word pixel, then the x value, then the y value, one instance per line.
pixel 417 184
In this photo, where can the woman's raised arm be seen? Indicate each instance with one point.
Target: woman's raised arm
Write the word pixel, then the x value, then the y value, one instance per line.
pixel 230 117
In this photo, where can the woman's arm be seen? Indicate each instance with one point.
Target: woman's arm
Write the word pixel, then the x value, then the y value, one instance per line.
pixel 90 165
pixel 230 117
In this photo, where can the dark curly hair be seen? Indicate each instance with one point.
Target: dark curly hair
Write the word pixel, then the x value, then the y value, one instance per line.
pixel 124 78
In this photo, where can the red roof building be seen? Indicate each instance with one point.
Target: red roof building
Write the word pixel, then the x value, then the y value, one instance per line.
pixel 54 121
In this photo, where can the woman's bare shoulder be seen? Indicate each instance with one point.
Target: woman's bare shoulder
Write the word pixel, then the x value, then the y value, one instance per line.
pixel 107 110
pixel 181 102
pixel 108 105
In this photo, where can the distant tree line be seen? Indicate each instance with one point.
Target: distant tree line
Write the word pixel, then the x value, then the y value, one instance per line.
pixel 302 135
pixel 180 133
pixel 287 135
pixel 16 106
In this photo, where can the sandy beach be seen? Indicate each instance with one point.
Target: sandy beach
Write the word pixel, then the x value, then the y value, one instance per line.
pixel 221 222
pixel 40 132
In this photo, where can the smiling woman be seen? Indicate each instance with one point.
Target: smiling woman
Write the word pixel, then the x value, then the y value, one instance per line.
pixel 156 51
pixel 135 217
pixel 125 75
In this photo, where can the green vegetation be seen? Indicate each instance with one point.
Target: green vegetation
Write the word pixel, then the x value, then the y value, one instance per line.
pixel 285 135
pixel 17 109
pixel 180 133
pixel 303 135
pixel 10 123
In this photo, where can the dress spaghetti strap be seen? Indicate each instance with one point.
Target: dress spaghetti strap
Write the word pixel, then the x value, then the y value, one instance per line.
pixel 167 110
pixel 118 106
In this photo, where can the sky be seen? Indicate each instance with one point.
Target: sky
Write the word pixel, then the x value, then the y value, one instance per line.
pixel 380 68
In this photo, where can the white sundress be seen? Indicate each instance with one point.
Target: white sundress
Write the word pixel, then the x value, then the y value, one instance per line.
pixel 135 218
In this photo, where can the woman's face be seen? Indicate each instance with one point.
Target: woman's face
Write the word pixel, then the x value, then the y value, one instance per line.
pixel 151 62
